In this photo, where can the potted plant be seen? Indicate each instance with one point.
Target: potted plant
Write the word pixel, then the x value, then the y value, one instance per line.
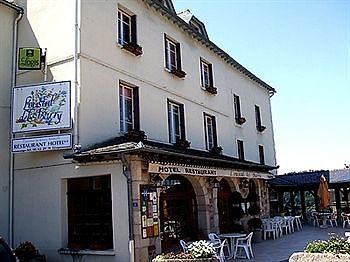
pixel 198 251
pixel 27 252
pixel 255 226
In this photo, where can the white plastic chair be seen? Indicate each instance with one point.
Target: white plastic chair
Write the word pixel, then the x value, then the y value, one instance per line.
pixel 244 243
pixel 332 220
pixel 269 228
pixel 346 219
pixel 298 222
pixel 216 241
pixel 220 254
pixel 184 246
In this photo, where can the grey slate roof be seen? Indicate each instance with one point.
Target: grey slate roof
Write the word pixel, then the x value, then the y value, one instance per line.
pixel 340 176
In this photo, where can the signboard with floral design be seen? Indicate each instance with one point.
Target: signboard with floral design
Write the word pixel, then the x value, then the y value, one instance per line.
pixel 41 107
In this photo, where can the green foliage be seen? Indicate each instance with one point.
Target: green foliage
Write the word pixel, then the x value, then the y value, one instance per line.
pixel 254 223
pixel 335 245
pixel 26 251
pixel 173 255
pixel 201 249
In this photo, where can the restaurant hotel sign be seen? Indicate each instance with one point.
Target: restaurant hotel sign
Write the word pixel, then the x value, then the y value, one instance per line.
pixel 201 171
pixel 41 107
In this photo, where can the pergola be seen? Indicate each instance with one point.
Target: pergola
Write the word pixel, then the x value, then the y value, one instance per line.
pixel 288 192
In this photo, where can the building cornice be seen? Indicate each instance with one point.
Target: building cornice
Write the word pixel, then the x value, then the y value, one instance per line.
pixel 208 44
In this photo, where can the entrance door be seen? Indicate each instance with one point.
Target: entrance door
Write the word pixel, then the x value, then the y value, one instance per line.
pixel 224 207
pixel 178 211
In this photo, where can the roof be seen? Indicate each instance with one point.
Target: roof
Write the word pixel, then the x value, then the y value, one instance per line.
pixel 115 148
pixel 340 176
pixel 193 21
pixel 15 7
pixel 187 28
pixel 305 179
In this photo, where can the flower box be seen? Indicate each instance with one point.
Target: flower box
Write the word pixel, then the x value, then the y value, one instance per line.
pixel 133 48
pixel 241 120
pixel 185 260
pixel 216 150
pixel 318 257
pixel 183 143
pixel 211 89
pixel 135 135
pixel 177 72
pixel 261 128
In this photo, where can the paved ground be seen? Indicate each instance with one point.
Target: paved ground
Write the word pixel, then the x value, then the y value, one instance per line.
pixel 281 248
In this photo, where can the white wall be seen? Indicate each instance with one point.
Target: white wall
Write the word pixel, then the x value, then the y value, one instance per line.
pixel 105 63
pixel 40 210
pixel 7 17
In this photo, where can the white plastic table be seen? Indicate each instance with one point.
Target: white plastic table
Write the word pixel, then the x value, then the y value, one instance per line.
pixel 232 238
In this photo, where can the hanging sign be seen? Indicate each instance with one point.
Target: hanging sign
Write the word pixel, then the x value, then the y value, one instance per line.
pixel 44 143
pixel 41 107
pixel 29 58
pixel 149 211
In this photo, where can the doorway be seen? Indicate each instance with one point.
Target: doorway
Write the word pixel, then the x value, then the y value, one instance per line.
pixel 178 211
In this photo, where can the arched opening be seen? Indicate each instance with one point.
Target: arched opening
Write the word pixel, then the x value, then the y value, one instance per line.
pixel 178 211
pixel 224 207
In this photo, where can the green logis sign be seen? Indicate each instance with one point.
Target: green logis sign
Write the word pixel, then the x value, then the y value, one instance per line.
pixel 29 58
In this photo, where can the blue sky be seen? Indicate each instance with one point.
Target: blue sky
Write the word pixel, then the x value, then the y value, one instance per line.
pixel 302 49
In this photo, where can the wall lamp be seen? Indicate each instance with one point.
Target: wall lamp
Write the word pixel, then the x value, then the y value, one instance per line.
pixel 213 182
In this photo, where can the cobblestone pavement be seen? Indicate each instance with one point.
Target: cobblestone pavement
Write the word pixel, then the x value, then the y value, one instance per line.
pixel 281 249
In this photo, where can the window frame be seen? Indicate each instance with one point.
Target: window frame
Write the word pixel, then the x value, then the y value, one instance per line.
pixel 210 140
pixel 257 116
pixel 131 25
pixel 135 122
pixel 173 136
pixel 240 149
pixel 206 71
pixel 237 108
pixel 261 154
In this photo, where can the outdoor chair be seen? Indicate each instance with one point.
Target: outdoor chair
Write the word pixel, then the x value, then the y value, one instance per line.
pixel 270 228
pixel 332 220
pixel 298 222
pixel 216 241
pixel 285 226
pixel 244 243
pixel 346 219
pixel 184 246
pixel 315 219
pixel 220 254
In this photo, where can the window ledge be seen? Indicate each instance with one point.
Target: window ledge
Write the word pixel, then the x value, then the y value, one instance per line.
pixel 211 89
pixel 133 48
pixel 179 73
pixel 80 252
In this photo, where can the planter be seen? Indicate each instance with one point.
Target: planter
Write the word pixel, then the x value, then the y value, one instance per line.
pixel 135 135
pixel 133 48
pixel 257 236
pixel 177 72
pixel 185 260
pixel 318 257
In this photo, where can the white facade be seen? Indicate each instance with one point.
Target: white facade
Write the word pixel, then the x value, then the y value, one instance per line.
pixel 8 15
pixel 82 46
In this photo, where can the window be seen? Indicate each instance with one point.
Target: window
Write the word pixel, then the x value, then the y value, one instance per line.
pixel 261 155
pixel 173 57
pixel 259 127
pixel 237 108
pixel 127 33
pixel 129 108
pixel 240 149
pixel 126 28
pixel 176 122
pixel 210 131
pixel 90 213
pixel 206 74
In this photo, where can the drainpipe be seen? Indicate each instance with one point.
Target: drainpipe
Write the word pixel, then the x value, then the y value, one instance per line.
pixel 20 12
pixel 76 75
pixel 127 174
